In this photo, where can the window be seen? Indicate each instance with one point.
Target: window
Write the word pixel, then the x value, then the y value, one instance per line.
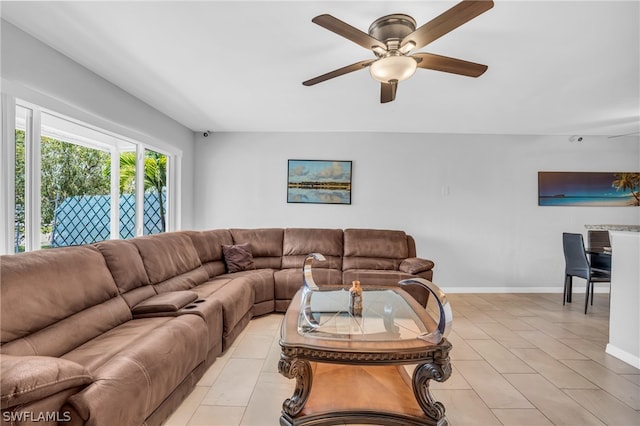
pixel 75 195
pixel 74 184
pixel 155 192
pixel 23 115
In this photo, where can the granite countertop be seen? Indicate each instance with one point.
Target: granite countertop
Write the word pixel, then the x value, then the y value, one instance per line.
pixel 629 228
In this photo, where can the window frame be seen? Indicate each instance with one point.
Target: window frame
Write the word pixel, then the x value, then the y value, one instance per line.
pixel 112 143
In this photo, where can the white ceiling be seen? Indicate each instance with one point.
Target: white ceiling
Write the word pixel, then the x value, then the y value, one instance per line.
pixel 555 67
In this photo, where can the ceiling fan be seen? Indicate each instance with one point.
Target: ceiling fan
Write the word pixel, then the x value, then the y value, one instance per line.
pixel 393 37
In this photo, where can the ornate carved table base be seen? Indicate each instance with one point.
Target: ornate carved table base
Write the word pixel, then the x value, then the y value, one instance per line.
pixel 301 371
pixel 343 394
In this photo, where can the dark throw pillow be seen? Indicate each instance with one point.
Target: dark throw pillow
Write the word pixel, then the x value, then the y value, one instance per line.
pixel 238 257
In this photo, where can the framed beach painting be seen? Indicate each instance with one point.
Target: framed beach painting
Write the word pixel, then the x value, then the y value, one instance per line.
pixel 588 189
pixel 319 181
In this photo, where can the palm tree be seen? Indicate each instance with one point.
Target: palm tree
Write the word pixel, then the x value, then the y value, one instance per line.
pixel 628 181
pixel 155 176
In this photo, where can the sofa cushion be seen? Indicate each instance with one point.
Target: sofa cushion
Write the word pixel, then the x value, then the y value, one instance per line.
pixel 375 243
pixel 374 263
pixel 266 245
pixel 289 281
pixel 127 269
pixel 137 368
pixel 238 257
pixel 237 296
pixel 137 295
pixel 69 333
pixel 185 281
pixel 30 378
pixel 415 265
pixel 215 268
pixel 167 255
pixel 57 291
pixel 209 244
pixel 299 242
pixel 374 249
pixel 125 264
pixel 261 280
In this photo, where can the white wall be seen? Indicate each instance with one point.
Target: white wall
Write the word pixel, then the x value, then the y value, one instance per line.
pixel 34 72
pixel 487 233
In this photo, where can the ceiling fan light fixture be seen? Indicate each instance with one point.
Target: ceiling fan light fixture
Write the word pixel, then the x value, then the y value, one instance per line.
pixel 379 51
pixel 392 37
pixel 390 68
pixel 409 46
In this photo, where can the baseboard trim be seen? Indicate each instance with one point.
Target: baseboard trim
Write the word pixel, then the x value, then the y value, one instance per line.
pixel 625 356
pixel 577 289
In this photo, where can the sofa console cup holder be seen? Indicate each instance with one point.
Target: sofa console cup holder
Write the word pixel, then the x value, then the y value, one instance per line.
pixel 199 301
pixel 190 307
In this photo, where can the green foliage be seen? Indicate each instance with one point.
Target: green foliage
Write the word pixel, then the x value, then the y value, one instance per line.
pixel 155 176
pixel 628 181
pixel 69 170
pixel 155 171
pixel 19 182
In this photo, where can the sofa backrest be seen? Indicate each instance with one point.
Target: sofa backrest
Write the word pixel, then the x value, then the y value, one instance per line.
pixel 266 245
pixel 411 246
pixel 209 244
pixel 299 242
pixel 52 301
pixel 127 269
pixel 171 261
pixel 374 249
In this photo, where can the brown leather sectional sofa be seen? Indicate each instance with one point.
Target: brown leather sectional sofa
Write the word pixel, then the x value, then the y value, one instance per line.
pixel 119 332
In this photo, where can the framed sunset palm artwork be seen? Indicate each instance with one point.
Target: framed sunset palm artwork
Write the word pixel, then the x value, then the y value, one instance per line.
pixel 588 189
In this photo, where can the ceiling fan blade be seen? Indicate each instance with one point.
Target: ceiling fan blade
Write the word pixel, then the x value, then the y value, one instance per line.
pixel 340 71
pixel 446 64
pixel 388 91
pixel 347 31
pixel 446 22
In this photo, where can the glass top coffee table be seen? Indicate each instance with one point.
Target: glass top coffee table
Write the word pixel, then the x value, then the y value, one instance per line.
pixel 355 362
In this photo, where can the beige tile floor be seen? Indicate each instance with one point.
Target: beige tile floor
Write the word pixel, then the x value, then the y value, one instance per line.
pixel 518 359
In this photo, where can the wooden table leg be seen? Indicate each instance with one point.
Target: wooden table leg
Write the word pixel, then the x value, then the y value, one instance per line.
pixel 439 369
pixel 299 369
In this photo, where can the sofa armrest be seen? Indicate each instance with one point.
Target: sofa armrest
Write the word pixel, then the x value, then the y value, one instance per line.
pixel 415 265
pixel 170 301
pixel 30 378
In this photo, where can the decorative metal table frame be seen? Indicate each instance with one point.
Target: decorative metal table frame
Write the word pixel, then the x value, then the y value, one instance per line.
pixel 303 342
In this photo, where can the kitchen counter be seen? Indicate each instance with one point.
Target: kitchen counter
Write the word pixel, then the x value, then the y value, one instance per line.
pixel 627 228
pixel 624 311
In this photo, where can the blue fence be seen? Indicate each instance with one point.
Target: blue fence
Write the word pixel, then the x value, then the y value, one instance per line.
pixel 86 219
